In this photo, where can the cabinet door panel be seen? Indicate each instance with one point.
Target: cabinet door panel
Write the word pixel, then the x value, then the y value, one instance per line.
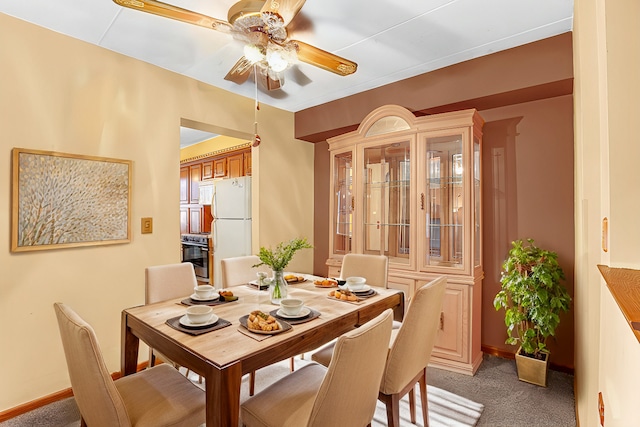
pixel 195 220
pixel 184 184
pixel 220 168
pixel 234 166
pixel 207 170
pixel 195 172
pixel 453 328
pixel 184 220
pixel 246 157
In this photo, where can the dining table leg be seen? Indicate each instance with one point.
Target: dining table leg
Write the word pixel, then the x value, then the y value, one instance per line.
pixel 223 395
pixel 129 348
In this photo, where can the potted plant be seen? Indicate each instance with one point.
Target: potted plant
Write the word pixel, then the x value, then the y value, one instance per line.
pixel 278 260
pixel 533 298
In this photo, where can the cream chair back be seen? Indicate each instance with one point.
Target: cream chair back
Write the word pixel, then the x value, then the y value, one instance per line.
pixel 374 268
pixel 239 270
pixel 349 390
pixel 95 393
pixel 411 349
pixel 163 282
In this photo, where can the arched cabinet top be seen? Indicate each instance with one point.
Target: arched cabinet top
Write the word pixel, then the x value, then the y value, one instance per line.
pixel 386 119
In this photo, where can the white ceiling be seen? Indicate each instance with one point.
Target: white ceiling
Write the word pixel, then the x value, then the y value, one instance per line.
pixel 390 40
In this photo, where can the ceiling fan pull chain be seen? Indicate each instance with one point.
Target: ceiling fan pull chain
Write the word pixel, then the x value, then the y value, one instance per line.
pixel 256 137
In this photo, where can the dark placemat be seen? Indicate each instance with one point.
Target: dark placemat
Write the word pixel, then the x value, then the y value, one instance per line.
pixel 368 294
pixel 312 315
pixel 174 322
pixel 189 301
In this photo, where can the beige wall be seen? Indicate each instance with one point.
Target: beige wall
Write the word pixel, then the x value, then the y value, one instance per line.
pixel 607 65
pixel 60 94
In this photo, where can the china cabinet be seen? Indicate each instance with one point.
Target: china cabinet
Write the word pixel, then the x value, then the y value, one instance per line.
pixel 409 188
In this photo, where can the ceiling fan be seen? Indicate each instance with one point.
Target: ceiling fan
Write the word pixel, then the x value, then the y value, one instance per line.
pixel 262 26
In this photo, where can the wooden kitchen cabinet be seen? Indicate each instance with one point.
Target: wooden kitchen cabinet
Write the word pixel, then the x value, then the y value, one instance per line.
pixel 246 157
pixel 207 170
pixel 195 217
pixel 184 184
pixel 235 165
pixel 195 172
pixel 184 220
pixel 409 188
pixel 220 168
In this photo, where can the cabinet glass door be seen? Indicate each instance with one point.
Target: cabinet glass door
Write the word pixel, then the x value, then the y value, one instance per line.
pixel 445 195
pixel 342 202
pixel 386 204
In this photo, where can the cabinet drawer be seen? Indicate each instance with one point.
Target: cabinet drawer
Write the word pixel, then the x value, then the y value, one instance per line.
pixel 404 285
pixel 333 272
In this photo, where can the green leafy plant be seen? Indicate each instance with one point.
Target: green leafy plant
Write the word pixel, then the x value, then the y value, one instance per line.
pixel 279 258
pixel 532 296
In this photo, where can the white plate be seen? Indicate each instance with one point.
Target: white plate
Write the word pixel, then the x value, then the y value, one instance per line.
pixel 184 321
pixel 195 297
pixel 303 313
pixel 365 288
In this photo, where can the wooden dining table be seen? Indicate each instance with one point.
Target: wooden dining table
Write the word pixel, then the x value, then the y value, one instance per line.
pixel 223 356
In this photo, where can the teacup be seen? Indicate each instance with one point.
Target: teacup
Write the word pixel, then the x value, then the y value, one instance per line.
pixel 204 291
pixel 199 313
pixel 356 283
pixel 291 306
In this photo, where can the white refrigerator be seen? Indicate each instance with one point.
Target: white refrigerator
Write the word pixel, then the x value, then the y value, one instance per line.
pixel 231 227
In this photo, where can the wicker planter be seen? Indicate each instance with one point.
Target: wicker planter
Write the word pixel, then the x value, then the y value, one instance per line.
pixel 532 370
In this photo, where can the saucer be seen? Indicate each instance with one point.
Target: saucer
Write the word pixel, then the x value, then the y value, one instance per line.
pixel 365 288
pixel 184 321
pixel 303 313
pixel 213 297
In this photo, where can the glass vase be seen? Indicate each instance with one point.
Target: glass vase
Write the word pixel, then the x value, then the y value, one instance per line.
pixel 277 287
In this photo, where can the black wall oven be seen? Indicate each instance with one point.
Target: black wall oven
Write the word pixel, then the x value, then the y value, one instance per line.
pixel 196 249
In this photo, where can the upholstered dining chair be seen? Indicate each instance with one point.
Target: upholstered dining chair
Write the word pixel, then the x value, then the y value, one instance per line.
pixel 239 270
pixel 344 394
pixel 409 353
pixel 155 397
pixel 375 268
pixel 164 282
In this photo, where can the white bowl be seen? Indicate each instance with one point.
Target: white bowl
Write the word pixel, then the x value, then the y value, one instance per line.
pixel 204 291
pixel 291 306
pixel 199 313
pixel 356 283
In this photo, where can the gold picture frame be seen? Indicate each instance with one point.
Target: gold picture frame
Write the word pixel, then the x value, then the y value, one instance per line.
pixel 62 200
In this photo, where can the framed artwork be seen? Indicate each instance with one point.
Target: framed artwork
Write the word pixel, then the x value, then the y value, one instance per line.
pixel 63 200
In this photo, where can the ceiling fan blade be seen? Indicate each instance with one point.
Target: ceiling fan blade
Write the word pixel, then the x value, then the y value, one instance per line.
pixel 240 72
pixel 287 9
pixel 323 59
pixel 177 13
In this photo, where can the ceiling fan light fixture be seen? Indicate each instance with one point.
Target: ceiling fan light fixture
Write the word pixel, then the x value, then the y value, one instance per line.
pixel 276 61
pixel 254 53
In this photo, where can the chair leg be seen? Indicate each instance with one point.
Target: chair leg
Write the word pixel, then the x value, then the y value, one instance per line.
pixel 152 358
pixel 252 383
pixel 412 405
pixel 393 410
pixel 292 367
pixel 423 397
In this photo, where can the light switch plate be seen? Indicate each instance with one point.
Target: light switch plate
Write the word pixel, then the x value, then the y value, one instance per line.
pixel 147 225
